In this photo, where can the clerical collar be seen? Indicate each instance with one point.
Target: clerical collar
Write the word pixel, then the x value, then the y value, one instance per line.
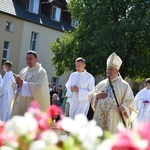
pixel 33 67
pixel 113 80
pixel 82 72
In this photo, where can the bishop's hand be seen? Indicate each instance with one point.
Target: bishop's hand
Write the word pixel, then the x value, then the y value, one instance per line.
pixel 122 110
pixel 101 95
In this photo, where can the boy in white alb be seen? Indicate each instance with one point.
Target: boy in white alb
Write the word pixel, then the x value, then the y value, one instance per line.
pixel 6 92
pixel 78 86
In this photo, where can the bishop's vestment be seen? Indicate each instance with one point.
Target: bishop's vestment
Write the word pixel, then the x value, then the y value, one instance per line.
pixel 106 113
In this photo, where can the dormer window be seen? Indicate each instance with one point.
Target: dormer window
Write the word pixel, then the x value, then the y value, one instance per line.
pixel 56 12
pixel 34 6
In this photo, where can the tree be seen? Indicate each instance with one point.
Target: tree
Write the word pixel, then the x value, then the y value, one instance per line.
pixel 106 26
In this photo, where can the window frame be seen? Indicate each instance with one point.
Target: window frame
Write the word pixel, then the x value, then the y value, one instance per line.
pixel 34 42
pixel 55 80
pixel 7 52
pixel 56 13
pixel 34 6
pixel 10 26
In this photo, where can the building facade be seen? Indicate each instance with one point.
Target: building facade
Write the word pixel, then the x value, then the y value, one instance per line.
pixel 32 25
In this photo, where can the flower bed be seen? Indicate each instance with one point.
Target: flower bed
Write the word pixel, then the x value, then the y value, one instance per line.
pixel 37 130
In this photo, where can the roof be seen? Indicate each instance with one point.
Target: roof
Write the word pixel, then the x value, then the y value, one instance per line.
pixel 16 9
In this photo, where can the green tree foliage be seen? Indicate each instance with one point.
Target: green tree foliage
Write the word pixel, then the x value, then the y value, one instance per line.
pixel 106 26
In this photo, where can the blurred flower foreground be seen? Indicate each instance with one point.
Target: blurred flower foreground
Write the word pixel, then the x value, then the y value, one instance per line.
pixel 38 130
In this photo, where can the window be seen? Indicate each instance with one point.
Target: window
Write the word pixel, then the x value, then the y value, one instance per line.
pixel 56 12
pixel 34 41
pixel 9 26
pixel 34 6
pixel 55 81
pixel 6 51
pixel 74 23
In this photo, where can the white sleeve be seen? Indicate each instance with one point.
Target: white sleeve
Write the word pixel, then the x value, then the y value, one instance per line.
pixel 136 99
pixel 26 90
pixel 1 79
pixel 68 86
pixel 83 92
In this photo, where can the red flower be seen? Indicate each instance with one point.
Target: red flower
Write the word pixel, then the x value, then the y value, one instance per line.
pixel 53 111
pixel 2 134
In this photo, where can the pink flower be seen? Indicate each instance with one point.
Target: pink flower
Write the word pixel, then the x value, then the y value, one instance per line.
pixel 144 130
pixel 43 121
pixel 2 135
pixel 34 107
pixel 1 139
pixel 34 104
pixel 124 141
pixel 2 124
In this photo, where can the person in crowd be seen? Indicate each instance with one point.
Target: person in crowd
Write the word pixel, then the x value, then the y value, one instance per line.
pixel 6 91
pixel 59 92
pixel 53 91
pixel 79 84
pixel 32 84
pixel 142 100
pixel 64 99
pixel 107 113
pixel 50 88
pixel 55 100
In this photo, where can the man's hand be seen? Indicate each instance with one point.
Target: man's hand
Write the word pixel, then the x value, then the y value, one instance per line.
pixel 74 88
pixel 19 81
pixel 122 110
pixel 101 95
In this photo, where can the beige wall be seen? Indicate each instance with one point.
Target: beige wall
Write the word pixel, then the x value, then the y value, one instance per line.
pixel 13 37
pixel 20 39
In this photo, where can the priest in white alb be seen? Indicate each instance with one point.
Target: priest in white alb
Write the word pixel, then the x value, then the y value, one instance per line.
pixel 142 100
pixel 79 84
pixel 107 113
pixel 32 84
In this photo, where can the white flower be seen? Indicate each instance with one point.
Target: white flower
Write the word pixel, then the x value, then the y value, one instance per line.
pixel 50 137
pixel 69 125
pixel 86 131
pixel 6 148
pixel 37 145
pixel 105 145
pixel 88 135
pixel 22 125
pixel 74 126
pixel 12 140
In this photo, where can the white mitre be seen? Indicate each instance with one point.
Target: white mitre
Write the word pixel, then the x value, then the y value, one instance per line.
pixel 114 61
